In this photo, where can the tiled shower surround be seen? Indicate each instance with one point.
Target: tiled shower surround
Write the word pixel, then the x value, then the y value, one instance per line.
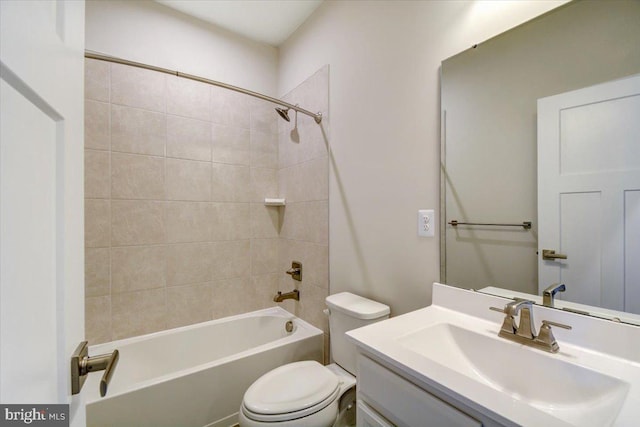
pixel 176 230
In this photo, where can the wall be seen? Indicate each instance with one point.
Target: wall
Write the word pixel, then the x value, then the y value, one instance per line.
pixel 176 172
pixel 176 230
pixel 384 159
pixel 490 94
pixel 303 179
pixel 148 32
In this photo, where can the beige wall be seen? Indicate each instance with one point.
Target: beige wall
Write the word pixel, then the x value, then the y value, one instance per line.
pixel 303 181
pixel 148 32
pixel 176 173
pixel 384 160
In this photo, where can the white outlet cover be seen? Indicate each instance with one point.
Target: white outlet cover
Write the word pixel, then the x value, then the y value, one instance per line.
pixel 426 222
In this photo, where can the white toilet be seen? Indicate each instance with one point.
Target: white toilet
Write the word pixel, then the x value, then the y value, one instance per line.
pixel 307 394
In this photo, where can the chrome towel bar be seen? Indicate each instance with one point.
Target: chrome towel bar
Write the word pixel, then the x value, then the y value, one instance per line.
pixel 525 224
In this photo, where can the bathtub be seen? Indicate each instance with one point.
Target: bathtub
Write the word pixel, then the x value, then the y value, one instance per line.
pixel 196 375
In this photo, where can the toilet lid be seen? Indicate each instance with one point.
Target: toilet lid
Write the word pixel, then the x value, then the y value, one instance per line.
pixel 291 388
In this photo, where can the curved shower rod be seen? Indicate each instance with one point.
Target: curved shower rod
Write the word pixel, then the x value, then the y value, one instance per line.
pixel 95 55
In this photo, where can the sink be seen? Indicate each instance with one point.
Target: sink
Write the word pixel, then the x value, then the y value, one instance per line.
pixel 565 390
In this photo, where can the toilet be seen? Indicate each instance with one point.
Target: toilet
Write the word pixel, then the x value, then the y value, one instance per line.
pixel 308 394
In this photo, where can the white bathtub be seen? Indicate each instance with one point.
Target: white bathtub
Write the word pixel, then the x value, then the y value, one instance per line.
pixel 196 375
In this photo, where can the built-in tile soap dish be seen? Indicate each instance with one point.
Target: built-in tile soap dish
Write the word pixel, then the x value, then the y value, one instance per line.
pixel 274 202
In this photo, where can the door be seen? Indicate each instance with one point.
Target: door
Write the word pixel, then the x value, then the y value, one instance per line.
pixel 41 200
pixel 589 193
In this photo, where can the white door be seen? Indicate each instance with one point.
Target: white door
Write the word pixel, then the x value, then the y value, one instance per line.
pixel 589 193
pixel 41 200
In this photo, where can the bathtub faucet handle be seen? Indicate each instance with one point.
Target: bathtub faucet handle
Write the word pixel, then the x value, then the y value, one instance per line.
pixel 295 271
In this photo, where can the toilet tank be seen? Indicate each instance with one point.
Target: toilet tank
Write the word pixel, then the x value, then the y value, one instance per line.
pixel 348 311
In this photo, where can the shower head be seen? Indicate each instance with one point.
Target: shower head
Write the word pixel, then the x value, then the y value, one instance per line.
pixel 284 113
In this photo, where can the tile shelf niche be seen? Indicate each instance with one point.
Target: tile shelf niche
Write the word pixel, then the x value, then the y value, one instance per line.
pixel 274 202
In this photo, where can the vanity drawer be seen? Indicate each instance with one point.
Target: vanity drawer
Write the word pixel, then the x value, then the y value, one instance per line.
pixel 403 403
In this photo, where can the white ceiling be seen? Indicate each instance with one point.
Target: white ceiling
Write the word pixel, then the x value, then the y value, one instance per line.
pixel 266 21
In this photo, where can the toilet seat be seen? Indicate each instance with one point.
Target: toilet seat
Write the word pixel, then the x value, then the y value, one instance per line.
pixel 291 391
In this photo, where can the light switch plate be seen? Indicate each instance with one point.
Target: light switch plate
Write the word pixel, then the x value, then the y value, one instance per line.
pixel 426 222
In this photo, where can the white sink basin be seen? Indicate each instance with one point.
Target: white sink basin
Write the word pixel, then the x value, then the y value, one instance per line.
pixel 564 390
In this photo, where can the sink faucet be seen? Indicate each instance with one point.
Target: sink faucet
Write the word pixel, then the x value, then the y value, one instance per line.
pixel 525 332
pixel 523 307
pixel 549 293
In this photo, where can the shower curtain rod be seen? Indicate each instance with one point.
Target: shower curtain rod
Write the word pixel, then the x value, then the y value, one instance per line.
pixel 95 55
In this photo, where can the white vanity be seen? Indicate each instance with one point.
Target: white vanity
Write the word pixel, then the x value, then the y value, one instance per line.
pixel 445 365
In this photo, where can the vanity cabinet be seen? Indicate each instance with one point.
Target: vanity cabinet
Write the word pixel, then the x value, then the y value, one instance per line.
pixel 368 417
pixel 387 399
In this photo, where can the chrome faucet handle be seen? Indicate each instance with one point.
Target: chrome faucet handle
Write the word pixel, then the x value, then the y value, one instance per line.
pixel 559 325
pixel 508 325
pixel 545 339
pixel 549 294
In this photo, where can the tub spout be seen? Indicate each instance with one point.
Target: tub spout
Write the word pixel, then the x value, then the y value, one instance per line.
pixel 294 294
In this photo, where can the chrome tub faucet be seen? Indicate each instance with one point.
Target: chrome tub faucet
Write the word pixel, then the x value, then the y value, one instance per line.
pixel 294 294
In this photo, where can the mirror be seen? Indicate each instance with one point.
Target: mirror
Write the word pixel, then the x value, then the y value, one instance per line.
pixel 489 163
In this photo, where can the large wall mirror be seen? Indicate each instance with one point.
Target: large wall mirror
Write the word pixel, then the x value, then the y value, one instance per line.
pixel 490 160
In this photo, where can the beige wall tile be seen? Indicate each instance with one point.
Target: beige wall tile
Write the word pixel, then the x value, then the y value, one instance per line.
pixel 188 222
pixel 97 78
pixel 187 305
pixel 231 259
pixel 317 268
pixel 308 221
pixel 188 180
pixel 188 98
pixel 137 87
pixel 134 268
pixel 138 131
pixel 188 138
pixel 314 258
pixel 264 183
pixel 308 181
pixel 264 149
pixel 138 313
pixel 313 143
pixel 230 183
pixel 229 108
pixel 264 256
pixel 97 272
pixel 215 226
pixel 137 222
pixel 264 118
pixel 264 288
pixel 97 223
pixel 97 180
pixel 312 302
pixel 229 297
pixel 230 221
pixel 265 220
pixel 189 263
pixel 97 125
pixel 288 146
pixel 97 313
pixel 231 145
pixel 137 177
